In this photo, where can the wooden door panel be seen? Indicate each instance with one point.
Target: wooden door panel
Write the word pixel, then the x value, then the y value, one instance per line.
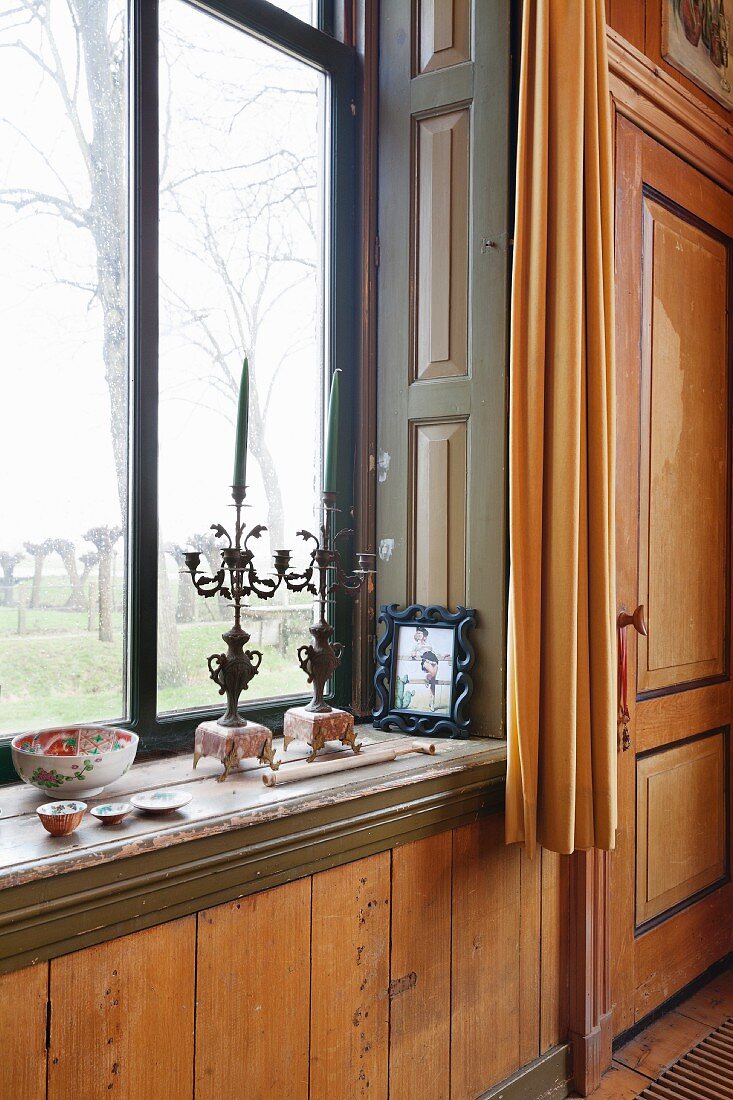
pixel 677 951
pixel 681 823
pixel 684 449
pixel 670 718
pixel 672 898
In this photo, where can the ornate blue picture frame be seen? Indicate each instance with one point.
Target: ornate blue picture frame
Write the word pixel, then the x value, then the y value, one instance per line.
pixel 423 677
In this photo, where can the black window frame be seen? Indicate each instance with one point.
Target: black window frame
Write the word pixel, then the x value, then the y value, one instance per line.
pixel 339 62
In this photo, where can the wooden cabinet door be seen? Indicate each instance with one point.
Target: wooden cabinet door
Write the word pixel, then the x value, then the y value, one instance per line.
pixel 672 903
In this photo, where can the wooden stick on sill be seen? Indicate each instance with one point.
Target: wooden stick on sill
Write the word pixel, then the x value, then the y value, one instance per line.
pixel 328 767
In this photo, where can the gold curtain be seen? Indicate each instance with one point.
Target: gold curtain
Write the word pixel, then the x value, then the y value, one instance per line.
pixel 561 669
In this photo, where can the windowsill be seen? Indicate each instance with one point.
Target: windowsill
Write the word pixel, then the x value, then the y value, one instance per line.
pixel 235 837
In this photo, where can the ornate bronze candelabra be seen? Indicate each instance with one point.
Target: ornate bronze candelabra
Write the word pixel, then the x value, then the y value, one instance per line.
pixel 232 737
pixel 318 722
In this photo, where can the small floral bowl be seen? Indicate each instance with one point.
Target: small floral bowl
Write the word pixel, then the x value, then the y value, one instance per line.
pixel 111 813
pixel 61 818
pixel 73 759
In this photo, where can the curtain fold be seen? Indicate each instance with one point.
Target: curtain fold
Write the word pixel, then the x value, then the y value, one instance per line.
pixel 561 659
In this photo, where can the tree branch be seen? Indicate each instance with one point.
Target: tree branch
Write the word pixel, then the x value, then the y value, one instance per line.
pixel 21 197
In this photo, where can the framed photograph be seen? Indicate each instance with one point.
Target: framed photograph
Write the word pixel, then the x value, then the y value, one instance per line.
pixel 695 39
pixel 424 659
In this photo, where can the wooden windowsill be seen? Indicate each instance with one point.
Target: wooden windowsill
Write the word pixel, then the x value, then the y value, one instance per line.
pixel 233 838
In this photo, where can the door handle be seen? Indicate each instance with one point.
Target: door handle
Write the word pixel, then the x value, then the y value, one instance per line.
pixel 636 619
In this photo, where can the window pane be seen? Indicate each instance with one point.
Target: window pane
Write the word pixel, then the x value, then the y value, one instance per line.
pixel 304 9
pixel 241 272
pixel 63 412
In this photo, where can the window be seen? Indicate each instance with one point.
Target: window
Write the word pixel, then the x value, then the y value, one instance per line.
pixel 120 375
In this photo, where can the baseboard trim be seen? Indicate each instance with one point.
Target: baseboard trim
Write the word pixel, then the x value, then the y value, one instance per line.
pixel 547 1078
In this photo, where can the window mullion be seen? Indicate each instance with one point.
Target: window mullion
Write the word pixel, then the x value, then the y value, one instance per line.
pixel 343 351
pixel 143 548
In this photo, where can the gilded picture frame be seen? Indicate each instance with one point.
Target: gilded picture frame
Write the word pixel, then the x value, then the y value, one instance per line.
pixel 696 40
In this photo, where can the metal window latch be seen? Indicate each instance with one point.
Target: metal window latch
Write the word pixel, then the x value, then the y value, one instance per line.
pixel 500 243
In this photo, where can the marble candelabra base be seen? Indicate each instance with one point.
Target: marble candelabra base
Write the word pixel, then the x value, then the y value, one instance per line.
pixel 315 729
pixel 230 744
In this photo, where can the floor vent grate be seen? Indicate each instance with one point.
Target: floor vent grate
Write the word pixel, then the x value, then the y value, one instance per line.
pixel 704 1073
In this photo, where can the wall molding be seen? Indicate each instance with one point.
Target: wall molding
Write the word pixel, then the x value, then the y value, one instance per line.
pixel 591 1007
pixel 668 112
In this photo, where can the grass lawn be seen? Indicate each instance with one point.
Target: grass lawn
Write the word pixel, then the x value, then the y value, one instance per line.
pixel 56 678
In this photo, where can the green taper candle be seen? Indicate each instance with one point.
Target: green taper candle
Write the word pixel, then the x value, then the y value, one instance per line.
pixel 240 455
pixel 332 437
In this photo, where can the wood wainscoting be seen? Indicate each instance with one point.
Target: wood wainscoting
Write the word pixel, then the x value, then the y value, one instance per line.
pixel 435 970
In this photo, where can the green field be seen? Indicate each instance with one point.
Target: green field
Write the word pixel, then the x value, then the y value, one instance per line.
pixel 57 671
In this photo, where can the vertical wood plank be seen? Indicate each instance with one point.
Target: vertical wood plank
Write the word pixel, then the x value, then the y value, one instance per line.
pixel 254 971
pixel 122 1017
pixel 23 1033
pixel 419 1059
pixel 628 370
pixel 530 871
pixel 555 945
pixel 349 980
pixel 486 934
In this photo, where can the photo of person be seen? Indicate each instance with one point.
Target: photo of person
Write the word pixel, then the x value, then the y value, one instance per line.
pixel 423 679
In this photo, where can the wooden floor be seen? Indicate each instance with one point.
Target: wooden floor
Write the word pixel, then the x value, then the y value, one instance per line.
pixel 645 1057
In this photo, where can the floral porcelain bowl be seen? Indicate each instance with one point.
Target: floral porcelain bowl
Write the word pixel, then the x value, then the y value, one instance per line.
pixel 73 760
pixel 61 818
pixel 111 813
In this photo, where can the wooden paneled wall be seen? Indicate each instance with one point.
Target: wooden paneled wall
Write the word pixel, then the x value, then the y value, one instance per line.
pixel 435 970
pixel 640 23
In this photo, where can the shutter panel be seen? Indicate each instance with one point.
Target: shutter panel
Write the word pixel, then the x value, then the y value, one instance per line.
pixel 445 80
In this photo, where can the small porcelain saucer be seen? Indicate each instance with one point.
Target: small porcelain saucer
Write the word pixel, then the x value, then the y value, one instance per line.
pixel 163 801
pixel 111 813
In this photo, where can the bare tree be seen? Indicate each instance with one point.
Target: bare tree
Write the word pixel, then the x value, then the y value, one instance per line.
pixel 88 561
pixel 67 552
pixel 95 81
pixel 104 538
pixel 248 287
pixel 248 228
pixel 39 551
pixel 8 563
pixel 91 88
pixel 186 592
